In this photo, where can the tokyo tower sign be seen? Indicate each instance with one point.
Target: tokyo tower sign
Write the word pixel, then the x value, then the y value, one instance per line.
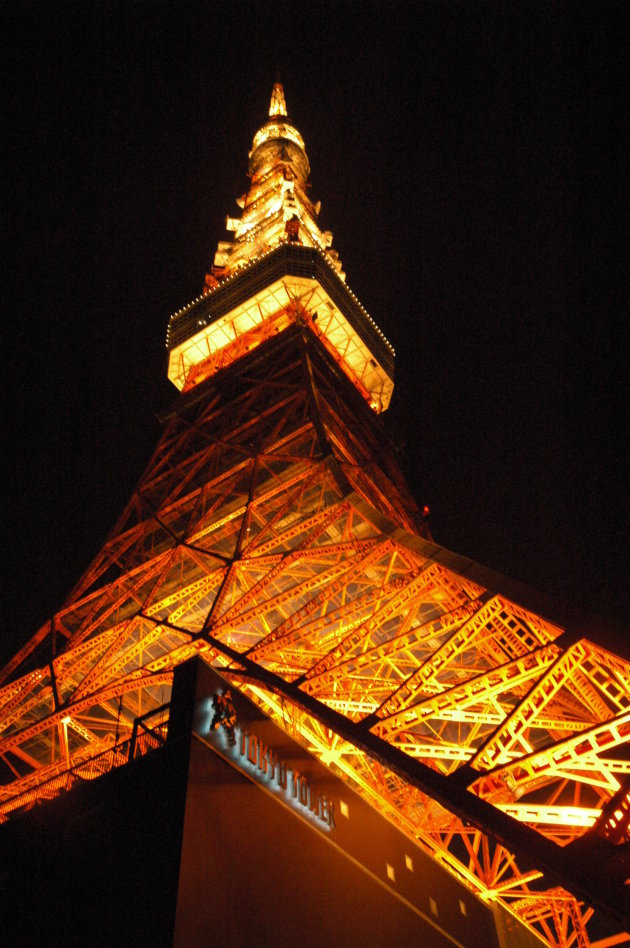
pixel 272 534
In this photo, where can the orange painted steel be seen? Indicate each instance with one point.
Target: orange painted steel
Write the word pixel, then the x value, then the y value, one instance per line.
pixel 273 534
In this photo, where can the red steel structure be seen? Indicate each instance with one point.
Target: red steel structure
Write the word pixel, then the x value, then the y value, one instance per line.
pixel 272 533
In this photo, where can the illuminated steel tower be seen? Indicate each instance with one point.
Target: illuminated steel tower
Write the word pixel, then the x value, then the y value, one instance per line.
pixel 273 535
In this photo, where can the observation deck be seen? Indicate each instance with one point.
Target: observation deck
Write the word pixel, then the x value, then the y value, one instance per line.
pixel 290 283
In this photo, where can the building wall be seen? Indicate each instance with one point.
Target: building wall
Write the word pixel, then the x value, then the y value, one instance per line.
pixel 98 866
pixel 258 868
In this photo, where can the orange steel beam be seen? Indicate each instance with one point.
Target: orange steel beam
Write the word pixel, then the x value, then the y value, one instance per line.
pixel 420 583
pixel 335 578
pixel 566 756
pixel 539 697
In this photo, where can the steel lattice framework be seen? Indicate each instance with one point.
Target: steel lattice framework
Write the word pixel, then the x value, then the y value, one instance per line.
pixel 273 534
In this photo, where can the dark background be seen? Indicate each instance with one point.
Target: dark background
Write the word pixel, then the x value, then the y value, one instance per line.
pixel 471 159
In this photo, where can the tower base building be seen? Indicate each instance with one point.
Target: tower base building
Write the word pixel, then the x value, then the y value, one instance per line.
pixel 229 834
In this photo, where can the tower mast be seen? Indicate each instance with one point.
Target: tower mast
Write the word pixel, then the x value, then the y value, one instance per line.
pixel 279 249
pixel 273 535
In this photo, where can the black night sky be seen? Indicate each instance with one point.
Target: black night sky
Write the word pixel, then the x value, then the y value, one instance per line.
pixel 471 160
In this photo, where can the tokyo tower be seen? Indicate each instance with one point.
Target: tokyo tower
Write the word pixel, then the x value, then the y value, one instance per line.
pixel 273 536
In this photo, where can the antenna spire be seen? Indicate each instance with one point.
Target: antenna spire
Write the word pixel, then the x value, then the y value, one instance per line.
pixel 277 105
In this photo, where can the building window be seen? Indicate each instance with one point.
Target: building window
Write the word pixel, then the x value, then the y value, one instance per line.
pixel 409 863
pixel 433 906
pixel 344 809
pixel 390 873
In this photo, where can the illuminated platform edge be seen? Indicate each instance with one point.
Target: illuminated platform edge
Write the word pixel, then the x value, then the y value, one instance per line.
pixel 287 277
